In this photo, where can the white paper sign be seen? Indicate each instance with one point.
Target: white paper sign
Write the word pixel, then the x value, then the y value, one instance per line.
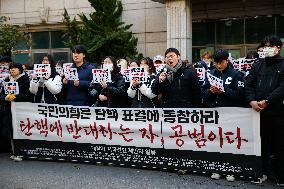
pixel 126 74
pixel 11 88
pixel 243 64
pixel 71 74
pixel 201 73
pixel 100 75
pixel 215 81
pixel 4 73
pixel 42 70
pixel 59 70
pixel 159 67
pixel 138 73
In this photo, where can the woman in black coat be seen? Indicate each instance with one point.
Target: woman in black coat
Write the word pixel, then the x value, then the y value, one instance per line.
pixel 110 94
pixel 16 75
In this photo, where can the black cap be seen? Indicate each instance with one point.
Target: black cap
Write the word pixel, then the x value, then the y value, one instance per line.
pixel 220 55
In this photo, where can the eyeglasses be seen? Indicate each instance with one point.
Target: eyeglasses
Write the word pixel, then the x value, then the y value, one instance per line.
pixel 170 56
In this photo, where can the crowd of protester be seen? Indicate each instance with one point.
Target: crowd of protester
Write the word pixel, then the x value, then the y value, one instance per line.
pixel 177 85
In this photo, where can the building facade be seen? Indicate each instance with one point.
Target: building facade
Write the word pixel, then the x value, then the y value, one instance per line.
pixel 192 26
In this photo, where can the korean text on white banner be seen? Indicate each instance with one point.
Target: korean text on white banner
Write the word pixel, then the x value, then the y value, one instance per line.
pixel 203 140
pixel 42 70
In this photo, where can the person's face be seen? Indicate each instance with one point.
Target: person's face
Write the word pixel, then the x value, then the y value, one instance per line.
pixel 4 64
pixel 133 64
pixel 108 61
pixel 221 65
pixel 260 49
pixel 14 72
pixel 207 59
pixel 78 57
pixel 172 59
pixel 158 62
pixel 108 64
pixel 275 48
pixel 144 65
pixel 45 60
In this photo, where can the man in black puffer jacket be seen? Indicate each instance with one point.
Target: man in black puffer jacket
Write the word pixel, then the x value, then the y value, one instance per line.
pixel 265 93
pixel 177 83
pixel 233 83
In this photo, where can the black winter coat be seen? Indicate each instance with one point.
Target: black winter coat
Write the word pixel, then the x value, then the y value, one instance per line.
pixel 115 92
pixel 233 83
pixel 266 82
pixel 24 93
pixel 182 92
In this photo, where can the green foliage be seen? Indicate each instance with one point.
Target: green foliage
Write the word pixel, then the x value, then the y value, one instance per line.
pixel 102 31
pixel 9 37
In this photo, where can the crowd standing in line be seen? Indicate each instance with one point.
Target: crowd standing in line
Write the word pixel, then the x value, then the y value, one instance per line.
pixel 176 85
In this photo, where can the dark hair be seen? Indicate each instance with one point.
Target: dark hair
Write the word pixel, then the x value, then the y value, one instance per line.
pixel 261 45
pixel 7 59
pixel 174 50
pixel 16 65
pixel 273 40
pixel 252 55
pixel 116 69
pixel 150 63
pixel 28 66
pixel 79 49
pixel 137 62
pixel 221 55
pixel 50 59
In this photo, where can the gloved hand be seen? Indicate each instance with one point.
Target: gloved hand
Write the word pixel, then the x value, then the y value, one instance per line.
pixel 10 97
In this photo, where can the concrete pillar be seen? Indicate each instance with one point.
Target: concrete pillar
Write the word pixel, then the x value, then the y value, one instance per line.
pixel 179 26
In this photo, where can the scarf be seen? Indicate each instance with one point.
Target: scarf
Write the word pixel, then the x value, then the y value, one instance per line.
pixel 171 71
pixel 14 79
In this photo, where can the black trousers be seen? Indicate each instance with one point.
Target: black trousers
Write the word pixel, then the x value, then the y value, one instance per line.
pixel 272 145
pixel 5 131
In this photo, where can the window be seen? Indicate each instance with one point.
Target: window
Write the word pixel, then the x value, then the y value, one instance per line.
pixel 230 32
pixel 203 33
pixel 279 27
pixel 57 39
pixel 258 28
pixel 61 56
pixel 49 42
pixel 40 40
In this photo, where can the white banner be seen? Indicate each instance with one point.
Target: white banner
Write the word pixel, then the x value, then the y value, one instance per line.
pixel 210 130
